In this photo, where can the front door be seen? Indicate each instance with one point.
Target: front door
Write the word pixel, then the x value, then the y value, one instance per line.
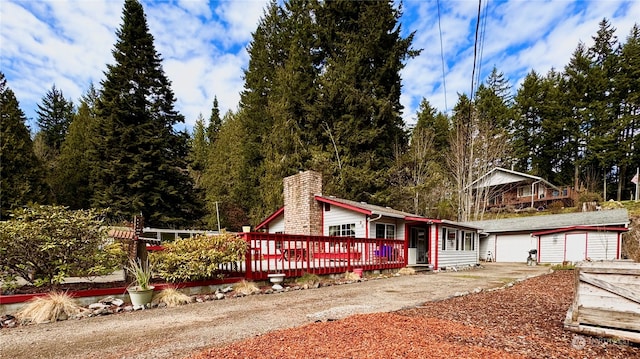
pixel 419 239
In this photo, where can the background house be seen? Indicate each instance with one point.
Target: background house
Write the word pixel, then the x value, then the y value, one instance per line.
pixel 557 238
pixel 502 187
pixel 416 240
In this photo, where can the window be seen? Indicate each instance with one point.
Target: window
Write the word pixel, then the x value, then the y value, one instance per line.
pixel 449 239
pixel 384 230
pixel 343 230
pixel 524 191
pixel 469 241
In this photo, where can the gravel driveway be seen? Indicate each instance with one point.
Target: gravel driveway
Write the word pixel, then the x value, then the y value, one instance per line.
pixel 176 332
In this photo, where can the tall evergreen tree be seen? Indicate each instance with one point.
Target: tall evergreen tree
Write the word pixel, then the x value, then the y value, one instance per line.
pixel 140 159
pixel 359 93
pixel 21 173
pixel 198 152
pixel 627 128
pixel 215 122
pixel 73 169
pixel 55 114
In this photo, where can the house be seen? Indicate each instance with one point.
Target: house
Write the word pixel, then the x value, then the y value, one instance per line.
pixel 417 240
pixel 556 238
pixel 501 188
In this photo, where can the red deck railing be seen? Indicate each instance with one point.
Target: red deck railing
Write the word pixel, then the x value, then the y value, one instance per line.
pixel 295 255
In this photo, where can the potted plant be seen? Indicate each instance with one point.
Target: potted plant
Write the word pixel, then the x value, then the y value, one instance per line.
pixel 140 290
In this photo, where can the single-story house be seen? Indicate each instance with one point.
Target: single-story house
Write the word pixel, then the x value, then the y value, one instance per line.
pixel 556 238
pixel 501 188
pixel 429 242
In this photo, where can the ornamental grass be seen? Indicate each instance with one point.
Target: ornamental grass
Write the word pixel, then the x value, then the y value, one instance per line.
pixel 50 308
pixel 171 297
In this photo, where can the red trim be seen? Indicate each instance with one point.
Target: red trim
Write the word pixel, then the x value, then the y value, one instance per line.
pixel 495 249
pixel 582 228
pixel 539 250
pixel 618 254
pixel 437 248
pixel 342 205
pixel 20 298
pixel 422 219
pixel 270 218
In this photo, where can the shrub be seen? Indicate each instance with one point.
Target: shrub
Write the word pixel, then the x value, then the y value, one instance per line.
pixel 50 308
pixel 556 207
pixel 197 258
pixel 45 244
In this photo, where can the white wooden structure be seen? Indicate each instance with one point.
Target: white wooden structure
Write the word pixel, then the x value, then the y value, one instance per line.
pixel 607 300
pixel 556 237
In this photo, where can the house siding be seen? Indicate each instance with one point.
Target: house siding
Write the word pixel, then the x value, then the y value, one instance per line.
pixel 578 246
pixel 338 216
pixel 455 258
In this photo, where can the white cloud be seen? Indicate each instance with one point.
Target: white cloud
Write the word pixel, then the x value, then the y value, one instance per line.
pixel 69 43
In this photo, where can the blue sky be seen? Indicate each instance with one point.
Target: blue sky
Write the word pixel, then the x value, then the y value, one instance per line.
pixel 203 44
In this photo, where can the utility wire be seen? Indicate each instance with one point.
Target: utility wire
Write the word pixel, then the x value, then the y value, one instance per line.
pixel 475 53
pixel 481 43
pixel 444 82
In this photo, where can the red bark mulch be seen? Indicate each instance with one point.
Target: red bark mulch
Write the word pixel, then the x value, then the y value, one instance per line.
pixel 524 321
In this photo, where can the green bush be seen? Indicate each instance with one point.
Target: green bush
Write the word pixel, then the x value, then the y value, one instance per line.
pixel 197 258
pixel 46 244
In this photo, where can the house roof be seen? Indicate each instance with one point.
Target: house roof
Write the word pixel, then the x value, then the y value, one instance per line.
pixel 365 208
pixel 605 218
pixel 500 176
pixel 371 210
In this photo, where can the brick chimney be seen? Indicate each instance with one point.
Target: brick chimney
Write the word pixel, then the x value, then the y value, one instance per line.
pixel 302 213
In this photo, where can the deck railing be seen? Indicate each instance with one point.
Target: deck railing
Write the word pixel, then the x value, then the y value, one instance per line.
pixel 295 255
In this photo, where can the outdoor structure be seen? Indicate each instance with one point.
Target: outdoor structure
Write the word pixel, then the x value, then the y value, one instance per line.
pixel 570 237
pixel 391 235
pixel 501 188
pixel 606 300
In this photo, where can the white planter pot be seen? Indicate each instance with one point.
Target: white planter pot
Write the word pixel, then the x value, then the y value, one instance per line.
pixel 140 297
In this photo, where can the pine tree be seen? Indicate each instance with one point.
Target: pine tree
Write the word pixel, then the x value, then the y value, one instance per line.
pixel 215 122
pixel 55 114
pixel 198 151
pixel 21 174
pixel 74 164
pixel 359 93
pixel 140 160
pixel 527 125
pixel 627 128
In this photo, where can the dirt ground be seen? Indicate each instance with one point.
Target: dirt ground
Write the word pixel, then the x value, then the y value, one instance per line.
pixel 178 332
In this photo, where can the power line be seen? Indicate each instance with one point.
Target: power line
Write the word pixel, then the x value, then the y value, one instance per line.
pixel 481 43
pixel 475 52
pixel 444 82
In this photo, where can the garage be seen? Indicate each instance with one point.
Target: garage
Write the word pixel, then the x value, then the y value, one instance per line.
pixel 557 237
pixel 513 247
pixel 579 243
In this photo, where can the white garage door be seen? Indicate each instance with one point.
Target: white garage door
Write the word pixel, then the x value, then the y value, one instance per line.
pixel 514 248
pixel 576 246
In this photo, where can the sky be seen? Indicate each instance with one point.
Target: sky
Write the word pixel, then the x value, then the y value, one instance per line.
pixel 68 43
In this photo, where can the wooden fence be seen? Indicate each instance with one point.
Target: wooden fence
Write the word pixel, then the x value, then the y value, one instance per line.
pixel 295 255
pixel 607 300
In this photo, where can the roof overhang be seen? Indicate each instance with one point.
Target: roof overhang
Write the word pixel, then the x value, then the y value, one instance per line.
pixel 580 228
pixel 270 218
pixel 343 205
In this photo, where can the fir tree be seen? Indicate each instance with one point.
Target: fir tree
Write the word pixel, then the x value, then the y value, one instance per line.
pixel 140 159
pixel 21 173
pixel 55 114
pixel 74 164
